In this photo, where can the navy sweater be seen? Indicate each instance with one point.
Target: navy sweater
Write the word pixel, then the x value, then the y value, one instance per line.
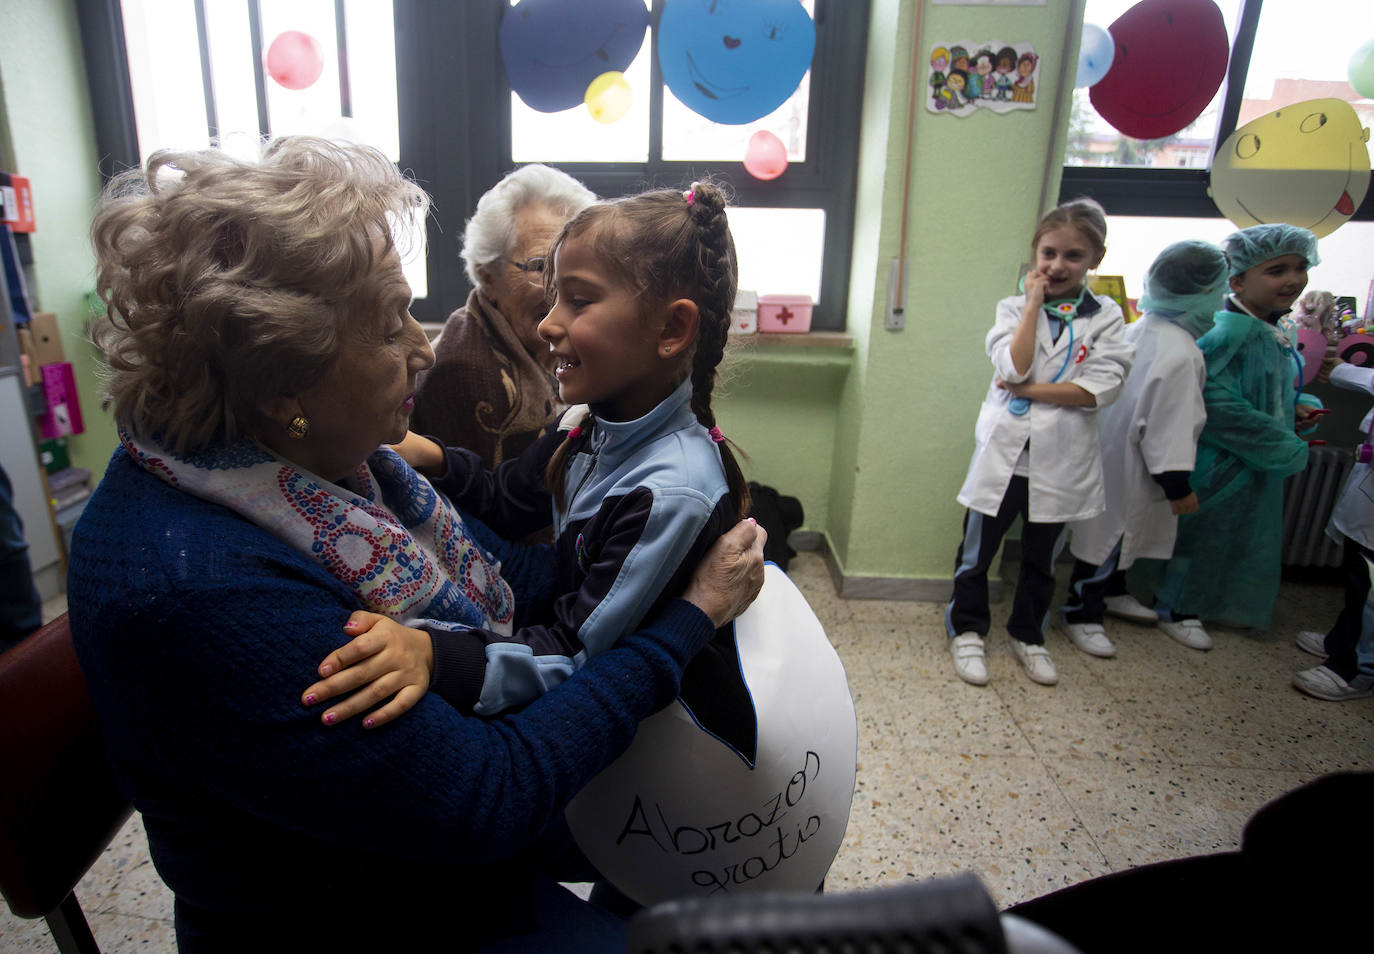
pixel 198 632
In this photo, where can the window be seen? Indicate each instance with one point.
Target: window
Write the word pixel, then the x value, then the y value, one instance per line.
pixel 167 45
pixel 462 129
pixel 424 81
pixel 1156 192
pixel 1094 142
pixel 1280 53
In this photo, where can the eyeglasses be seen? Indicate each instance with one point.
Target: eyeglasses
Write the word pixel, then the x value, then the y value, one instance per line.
pixel 535 264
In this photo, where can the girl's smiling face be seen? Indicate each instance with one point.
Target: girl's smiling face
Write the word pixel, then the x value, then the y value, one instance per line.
pixel 606 348
pixel 1271 286
pixel 1064 255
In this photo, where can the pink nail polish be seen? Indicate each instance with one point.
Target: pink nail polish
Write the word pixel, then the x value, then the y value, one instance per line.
pixel 329 718
pixel 350 625
pixel 326 669
pixel 369 722
pixel 311 699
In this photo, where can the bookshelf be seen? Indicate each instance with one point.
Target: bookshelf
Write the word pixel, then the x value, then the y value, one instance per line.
pixel 19 456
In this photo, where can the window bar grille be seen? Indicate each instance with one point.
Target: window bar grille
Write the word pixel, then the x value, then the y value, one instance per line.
pixel 259 77
pixel 207 80
pixel 1237 70
pixel 341 34
pixel 656 87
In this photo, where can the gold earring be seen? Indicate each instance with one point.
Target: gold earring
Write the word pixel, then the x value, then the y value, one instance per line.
pixel 667 349
pixel 299 427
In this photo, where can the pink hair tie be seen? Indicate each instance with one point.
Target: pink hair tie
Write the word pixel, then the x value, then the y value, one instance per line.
pixel 691 194
pixel 575 433
pixel 716 435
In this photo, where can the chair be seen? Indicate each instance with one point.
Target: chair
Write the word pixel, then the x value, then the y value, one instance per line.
pixel 943 916
pixel 59 804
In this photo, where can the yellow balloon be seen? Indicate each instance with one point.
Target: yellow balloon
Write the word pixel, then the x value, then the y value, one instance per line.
pixel 1306 164
pixel 608 97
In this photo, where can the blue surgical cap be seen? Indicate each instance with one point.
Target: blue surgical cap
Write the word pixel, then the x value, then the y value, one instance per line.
pixel 1185 284
pixel 1261 243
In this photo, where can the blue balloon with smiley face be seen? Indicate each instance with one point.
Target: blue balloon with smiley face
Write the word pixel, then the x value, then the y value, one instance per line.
pixel 553 49
pixel 734 61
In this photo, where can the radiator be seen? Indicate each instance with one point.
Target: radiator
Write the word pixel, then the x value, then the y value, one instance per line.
pixel 1307 501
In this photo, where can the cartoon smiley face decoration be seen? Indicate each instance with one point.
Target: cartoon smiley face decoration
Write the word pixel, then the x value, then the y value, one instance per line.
pixel 734 61
pixel 553 49
pixel 1306 164
pixel 1169 62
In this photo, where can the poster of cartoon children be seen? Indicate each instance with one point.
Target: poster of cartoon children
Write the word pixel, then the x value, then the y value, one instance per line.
pixel 991 75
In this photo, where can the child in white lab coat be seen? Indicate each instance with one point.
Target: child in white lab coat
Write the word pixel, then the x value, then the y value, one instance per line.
pixel 1057 356
pixel 1149 442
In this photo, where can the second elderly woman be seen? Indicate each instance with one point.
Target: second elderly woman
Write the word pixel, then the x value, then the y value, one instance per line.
pixel 491 389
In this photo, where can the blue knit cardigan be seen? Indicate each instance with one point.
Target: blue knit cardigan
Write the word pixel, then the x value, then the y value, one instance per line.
pixel 198 632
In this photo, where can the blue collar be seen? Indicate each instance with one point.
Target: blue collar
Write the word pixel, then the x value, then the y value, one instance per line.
pixel 618 438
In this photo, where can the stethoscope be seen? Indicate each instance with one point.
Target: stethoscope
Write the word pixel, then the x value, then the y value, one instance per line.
pixel 1065 310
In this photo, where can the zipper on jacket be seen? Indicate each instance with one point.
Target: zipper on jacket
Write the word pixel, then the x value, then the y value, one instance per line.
pixel 585 477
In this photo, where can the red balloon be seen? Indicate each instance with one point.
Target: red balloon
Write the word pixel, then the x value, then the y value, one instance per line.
pixel 1170 60
pixel 294 59
pixel 766 157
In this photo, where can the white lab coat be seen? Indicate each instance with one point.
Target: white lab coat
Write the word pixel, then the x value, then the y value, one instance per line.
pixel 1353 514
pixel 1065 456
pixel 1151 429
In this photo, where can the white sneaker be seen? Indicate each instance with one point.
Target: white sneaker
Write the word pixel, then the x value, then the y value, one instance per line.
pixel 1036 661
pixel 970 662
pixel 1310 642
pixel 1128 607
pixel 1189 632
pixel 1325 684
pixel 1089 637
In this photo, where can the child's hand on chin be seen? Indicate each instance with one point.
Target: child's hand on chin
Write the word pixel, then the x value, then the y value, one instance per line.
pixel 1036 283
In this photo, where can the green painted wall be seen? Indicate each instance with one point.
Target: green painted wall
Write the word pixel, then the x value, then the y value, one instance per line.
pixel 906 409
pixel 874 439
pixel 47 113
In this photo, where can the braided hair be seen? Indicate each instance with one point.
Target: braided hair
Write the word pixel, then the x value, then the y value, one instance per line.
pixel 667 245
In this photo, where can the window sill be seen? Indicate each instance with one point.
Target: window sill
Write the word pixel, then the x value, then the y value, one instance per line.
pixel 805 368
pixel 813 348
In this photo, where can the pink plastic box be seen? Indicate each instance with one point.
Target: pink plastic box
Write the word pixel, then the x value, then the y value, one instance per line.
pixel 786 314
pixel 64 412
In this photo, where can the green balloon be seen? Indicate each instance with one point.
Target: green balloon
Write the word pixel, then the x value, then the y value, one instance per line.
pixel 1362 69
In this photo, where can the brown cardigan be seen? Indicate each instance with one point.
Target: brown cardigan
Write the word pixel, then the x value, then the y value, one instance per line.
pixel 485 391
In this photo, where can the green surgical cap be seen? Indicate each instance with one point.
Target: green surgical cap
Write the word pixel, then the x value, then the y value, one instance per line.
pixel 1261 243
pixel 1185 284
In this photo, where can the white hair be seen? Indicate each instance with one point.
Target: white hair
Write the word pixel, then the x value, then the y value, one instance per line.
pixel 490 232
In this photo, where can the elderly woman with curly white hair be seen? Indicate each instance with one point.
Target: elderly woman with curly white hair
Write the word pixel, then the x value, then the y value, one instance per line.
pixel 261 353
pixel 492 389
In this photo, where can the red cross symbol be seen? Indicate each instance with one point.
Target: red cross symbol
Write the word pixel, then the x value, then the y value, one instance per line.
pixel 786 315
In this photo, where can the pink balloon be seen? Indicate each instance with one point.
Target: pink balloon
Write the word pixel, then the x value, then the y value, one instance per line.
pixel 766 157
pixel 294 59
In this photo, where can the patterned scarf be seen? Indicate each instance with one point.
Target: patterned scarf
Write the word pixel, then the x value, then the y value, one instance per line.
pixel 395 542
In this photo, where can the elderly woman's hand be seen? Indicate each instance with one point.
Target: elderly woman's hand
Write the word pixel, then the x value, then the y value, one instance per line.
pixel 730 575
pixel 385 659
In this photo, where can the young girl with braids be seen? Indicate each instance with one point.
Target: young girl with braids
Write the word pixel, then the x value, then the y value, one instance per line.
pixel 638 478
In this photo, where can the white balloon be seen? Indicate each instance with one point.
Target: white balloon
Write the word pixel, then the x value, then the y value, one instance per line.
pixel 1095 55
pixel 682 814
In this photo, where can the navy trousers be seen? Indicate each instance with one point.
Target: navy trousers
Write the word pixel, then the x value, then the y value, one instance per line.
pixel 1040 545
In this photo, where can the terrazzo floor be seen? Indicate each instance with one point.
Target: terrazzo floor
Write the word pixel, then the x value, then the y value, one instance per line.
pixel 1159 753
